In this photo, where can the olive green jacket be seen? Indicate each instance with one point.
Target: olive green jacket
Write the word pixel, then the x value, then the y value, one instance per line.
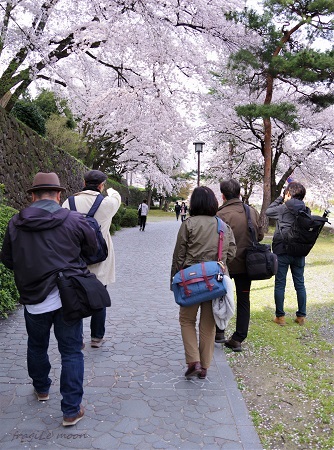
pixel 233 213
pixel 197 241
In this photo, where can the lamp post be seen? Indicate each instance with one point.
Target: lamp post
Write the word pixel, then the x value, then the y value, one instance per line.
pixel 198 150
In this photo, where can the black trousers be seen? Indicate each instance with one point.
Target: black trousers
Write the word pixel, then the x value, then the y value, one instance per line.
pixel 142 222
pixel 242 287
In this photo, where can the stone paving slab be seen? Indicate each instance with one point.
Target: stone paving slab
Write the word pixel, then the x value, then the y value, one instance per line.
pixel 135 396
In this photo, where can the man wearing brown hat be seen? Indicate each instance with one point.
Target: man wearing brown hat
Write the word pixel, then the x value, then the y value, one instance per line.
pixel 41 241
pixel 94 183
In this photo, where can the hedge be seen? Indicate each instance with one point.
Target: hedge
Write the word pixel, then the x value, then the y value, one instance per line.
pixel 130 218
pixel 9 295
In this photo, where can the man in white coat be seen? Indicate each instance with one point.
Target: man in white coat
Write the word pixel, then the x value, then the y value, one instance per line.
pixel 105 270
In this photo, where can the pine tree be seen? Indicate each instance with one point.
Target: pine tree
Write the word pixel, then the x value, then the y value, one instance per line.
pixel 283 51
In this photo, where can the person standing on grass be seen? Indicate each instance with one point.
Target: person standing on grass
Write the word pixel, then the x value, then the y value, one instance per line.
pixel 143 209
pixel 41 241
pixel 94 184
pixel 284 210
pixel 233 213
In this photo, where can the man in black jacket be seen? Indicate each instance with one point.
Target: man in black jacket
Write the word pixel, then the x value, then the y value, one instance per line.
pixel 41 241
pixel 177 210
pixel 284 210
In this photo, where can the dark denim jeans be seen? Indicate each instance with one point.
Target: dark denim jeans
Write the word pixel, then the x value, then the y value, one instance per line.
pixel 97 324
pixel 242 287
pixel 69 337
pixel 296 264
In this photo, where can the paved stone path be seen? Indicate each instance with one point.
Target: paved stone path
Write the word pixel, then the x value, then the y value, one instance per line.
pixel 135 396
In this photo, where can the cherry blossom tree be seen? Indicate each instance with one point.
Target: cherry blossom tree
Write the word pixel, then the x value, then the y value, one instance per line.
pixel 127 68
pixel 130 38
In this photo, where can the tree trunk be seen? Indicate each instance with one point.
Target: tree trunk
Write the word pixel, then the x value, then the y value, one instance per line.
pixel 267 155
pixel 266 200
pixel 149 197
pixel 5 99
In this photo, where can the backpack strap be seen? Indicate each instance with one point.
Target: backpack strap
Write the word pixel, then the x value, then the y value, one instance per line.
pixel 99 199
pixel 71 202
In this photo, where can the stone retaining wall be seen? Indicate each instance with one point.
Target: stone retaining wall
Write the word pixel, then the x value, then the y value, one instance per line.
pixel 23 153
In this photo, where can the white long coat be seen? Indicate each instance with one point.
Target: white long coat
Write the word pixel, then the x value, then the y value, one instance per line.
pixel 105 270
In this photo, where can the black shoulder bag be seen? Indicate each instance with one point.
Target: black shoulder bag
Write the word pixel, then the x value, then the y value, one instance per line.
pixel 261 263
pixel 81 295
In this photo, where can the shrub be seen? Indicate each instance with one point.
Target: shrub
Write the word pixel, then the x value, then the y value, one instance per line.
pixel 117 219
pixel 130 218
pixel 112 229
pixel 9 295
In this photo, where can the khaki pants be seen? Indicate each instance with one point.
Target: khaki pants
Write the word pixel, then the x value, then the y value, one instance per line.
pixel 203 351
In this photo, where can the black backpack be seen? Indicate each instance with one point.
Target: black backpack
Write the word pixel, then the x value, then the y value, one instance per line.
pixel 102 251
pixel 299 239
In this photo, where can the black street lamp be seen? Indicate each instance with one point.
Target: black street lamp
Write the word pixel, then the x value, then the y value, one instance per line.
pixel 198 150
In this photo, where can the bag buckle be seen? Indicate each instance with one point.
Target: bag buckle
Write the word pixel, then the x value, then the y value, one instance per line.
pixel 222 266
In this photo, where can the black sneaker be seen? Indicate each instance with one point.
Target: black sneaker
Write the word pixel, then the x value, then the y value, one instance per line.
pixel 220 337
pixel 233 345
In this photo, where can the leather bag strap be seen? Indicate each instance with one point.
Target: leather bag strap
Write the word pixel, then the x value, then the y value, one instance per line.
pixel 184 284
pixel 250 224
pixel 206 279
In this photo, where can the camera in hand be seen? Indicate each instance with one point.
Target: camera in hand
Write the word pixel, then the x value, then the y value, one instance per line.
pixel 284 191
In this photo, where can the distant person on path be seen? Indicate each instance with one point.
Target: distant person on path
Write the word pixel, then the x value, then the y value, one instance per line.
pixel 41 241
pixel 143 209
pixel 177 210
pixel 283 210
pixel 94 184
pixel 233 213
pixel 197 241
pixel 183 211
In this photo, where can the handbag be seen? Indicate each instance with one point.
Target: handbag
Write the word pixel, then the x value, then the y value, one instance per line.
pixel 81 295
pixel 203 281
pixel 261 263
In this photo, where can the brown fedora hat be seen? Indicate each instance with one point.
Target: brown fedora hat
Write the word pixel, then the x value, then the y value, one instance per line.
pixel 46 182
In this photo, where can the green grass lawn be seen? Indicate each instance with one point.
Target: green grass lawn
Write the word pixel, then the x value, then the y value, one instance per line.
pixel 155 215
pixel 286 373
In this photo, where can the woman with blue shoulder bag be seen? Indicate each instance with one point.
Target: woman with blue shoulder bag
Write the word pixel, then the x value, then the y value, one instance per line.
pixel 197 241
